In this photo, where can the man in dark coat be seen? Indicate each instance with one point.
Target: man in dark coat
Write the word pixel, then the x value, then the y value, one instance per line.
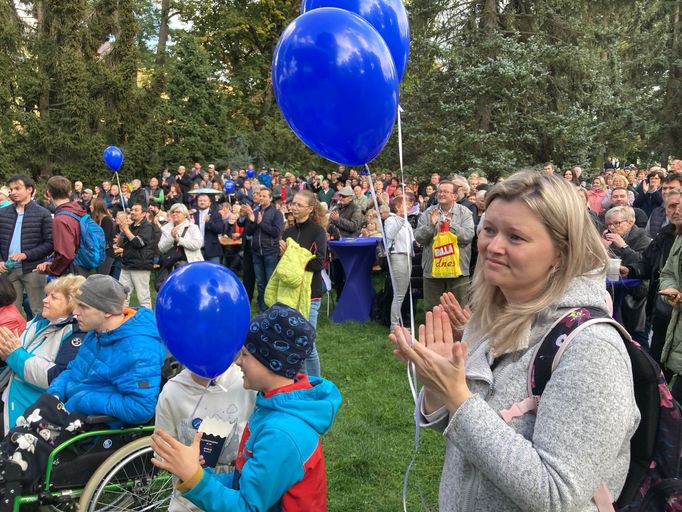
pixel 211 225
pixel 25 242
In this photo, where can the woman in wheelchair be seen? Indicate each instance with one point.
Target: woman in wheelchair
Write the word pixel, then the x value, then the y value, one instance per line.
pixel 50 341
pixel 116 373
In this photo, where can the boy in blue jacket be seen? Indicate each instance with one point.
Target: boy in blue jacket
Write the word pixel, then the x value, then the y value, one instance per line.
pixel 117 371
pixel 280 465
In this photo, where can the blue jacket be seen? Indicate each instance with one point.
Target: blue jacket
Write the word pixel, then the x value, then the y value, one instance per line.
pixel 116 373
pixel 280 466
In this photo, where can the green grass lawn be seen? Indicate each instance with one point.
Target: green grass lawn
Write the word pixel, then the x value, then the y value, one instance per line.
pixel 371 443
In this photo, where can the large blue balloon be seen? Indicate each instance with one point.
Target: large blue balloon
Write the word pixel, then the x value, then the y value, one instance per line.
pixel 113 157
pixel 229 186
pixel 250 173
pixel 203 312
pixel 336 85
pixel 388 17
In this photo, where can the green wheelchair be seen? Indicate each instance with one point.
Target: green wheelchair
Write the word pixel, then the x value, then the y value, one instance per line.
pixel 102 469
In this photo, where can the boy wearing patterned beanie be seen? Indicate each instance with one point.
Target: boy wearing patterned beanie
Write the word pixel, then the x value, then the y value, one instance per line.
pixel 280 465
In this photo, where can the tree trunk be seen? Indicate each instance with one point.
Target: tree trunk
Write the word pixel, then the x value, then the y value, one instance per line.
pixel 672 126
pixel 44 99
pixel 163 33
pixel 488 26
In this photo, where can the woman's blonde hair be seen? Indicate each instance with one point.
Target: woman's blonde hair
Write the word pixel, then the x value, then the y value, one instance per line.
pixel 557 204
pixel 68 286
pixel 621 179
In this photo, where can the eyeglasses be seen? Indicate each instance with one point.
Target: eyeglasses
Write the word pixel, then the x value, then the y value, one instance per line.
pixel 615 223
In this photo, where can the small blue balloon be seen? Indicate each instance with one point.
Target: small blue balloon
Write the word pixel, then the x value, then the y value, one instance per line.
pixel 250 173
pixel 388 17
pixel 336 85
pixel 113 157
pixel 229 186
pixel 202 312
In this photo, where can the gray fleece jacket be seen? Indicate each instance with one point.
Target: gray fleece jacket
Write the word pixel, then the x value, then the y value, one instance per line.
pixel 555 460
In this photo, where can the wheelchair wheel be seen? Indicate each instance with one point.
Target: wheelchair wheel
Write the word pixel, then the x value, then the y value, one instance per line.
pixel 127 480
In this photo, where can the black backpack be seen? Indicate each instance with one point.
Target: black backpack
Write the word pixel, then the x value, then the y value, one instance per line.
pixel 652 483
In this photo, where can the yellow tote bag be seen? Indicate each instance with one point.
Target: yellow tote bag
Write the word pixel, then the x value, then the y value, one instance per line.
pixel 445 253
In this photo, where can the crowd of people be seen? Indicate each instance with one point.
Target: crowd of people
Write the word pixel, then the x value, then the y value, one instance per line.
pixel 526 250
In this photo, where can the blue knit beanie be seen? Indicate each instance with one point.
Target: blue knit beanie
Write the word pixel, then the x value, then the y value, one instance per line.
pixel 281 339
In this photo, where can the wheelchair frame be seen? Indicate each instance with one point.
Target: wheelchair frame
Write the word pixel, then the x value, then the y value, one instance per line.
pixel 68 497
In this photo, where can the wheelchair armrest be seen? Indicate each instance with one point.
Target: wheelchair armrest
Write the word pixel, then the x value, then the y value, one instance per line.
pixel 99 418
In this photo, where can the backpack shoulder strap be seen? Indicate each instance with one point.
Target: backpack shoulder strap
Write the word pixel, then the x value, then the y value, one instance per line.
pixel 547 354
pixel 70 214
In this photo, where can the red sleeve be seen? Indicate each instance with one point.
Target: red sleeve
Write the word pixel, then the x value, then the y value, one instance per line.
pixel 66 240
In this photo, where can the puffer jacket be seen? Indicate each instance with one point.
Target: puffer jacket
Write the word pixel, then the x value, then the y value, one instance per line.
pixel 290 282
pixel 671 277
pixel 46 349
pixel 36 234
pixel 554 459
pixel 116 373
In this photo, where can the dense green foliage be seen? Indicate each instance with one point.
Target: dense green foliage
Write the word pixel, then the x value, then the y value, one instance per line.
pixel 491 85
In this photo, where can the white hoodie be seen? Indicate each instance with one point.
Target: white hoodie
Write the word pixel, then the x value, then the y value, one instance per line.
pixel 227 401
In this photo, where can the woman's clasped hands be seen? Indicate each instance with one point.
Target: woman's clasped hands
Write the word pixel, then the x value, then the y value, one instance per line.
pixel 439 360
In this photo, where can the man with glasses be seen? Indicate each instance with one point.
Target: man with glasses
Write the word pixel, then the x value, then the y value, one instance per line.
pixel 626 241
pixel 619 197
pixel 461 223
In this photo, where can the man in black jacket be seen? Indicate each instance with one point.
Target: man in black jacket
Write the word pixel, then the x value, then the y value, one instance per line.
pixel 25 242
pixel 137 240
pixel 265 228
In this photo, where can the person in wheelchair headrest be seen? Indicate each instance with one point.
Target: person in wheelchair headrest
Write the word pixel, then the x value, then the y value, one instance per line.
pixel 36 357
pixel 117 371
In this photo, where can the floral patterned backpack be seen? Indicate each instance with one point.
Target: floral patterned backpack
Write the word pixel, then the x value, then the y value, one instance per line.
pixel 652 483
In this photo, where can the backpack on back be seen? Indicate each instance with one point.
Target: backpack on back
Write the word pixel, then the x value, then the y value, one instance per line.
pixel 652 482
pixel 92 249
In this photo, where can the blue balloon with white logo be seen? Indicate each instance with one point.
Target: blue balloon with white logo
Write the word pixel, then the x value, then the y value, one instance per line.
pixel 229 186
pixel 113 157
pixel 202 312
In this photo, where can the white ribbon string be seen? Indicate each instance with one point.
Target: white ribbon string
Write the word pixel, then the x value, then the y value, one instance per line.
pixel 120 191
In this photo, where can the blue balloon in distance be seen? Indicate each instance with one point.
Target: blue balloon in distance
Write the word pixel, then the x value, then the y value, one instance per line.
pixel 229 186
pixel 336 85
pixel 113 157
pixel 250 173
pixel 388 17
pixel 203 313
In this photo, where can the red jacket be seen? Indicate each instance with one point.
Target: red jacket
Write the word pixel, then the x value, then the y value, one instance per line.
pixel 12 319
pixel 66 237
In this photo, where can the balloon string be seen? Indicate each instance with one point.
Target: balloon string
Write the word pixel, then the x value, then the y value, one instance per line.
pixel 196 407
pixel 120 191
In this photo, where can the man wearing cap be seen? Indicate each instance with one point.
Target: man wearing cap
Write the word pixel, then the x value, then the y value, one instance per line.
pixel 86 198
pixel 346 216
pixel 117 371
